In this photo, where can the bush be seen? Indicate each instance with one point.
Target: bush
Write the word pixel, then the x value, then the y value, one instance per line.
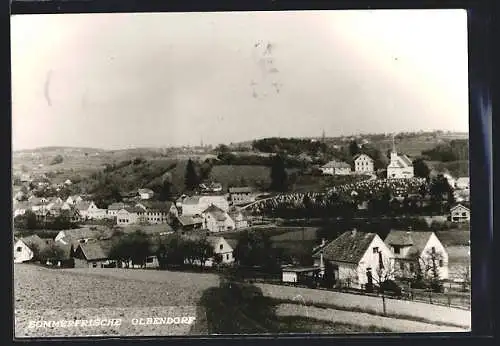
pixel 57 160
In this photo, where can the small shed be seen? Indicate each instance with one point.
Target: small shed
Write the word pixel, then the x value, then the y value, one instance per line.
pixel 299 274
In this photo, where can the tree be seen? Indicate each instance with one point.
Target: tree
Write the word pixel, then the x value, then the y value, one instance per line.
pixel 133 247
pixel 205 170
pixel 191 179
pixel 57 160
pixel 278 174
pixel 420 168
pixel 166 191
pixel 51 253
pixel 353 148
pixel 254 249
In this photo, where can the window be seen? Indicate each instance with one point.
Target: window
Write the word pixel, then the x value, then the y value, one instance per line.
pixel 401 265
pixel 441 263
pixel 149 260
pixel 19 249
pixel 227 257
pixel 221 246
pixel 397 250
pixel 433 250
pixel 375 250
pixel 412 267
pixel 464 214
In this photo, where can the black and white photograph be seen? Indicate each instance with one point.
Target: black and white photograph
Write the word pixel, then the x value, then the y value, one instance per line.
pixel 235 173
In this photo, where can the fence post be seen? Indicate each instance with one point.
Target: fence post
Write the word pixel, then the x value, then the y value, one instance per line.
pixel 449 299
pixel 430 296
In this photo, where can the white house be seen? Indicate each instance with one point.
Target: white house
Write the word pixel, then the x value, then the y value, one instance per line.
pixel 400 167
pixel 223 247
pixel 354 258
pixel 87 210
pixel 195 205
pixel 336 168
pixel 217 220
pixel 460 213
pixel 239 219
pixel 462 183
pixel 363 164
pixel 414 249
pixel 21 208
pixel 68 182
pixel 74 199
pixel 113 209
pixel 145 194
pixel 22 252
pixel 127 216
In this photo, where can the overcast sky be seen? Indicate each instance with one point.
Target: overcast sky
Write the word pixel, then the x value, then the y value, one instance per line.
pixel 120 80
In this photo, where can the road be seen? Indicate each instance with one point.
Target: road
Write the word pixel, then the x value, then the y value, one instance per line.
pixel 433 313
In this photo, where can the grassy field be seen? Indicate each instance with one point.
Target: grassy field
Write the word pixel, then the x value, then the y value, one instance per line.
pixel 235 175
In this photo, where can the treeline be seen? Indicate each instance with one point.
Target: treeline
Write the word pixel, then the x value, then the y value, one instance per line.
pixel 455 150
pixel 293 146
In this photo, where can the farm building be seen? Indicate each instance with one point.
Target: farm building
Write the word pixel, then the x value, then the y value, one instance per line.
pixel 79 235
pixel 363 164
pixel 299 275
pixel 353 259
pixel 74 199
pixel 189 223
pixel 413 249
pixel 460 213
pixel 92 254
pixel 336 168
pixel 238 217
pixel 114 208
pixel 223 247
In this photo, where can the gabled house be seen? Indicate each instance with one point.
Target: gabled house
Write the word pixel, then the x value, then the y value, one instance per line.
pixel 145 194
pixel 217 220
pixel 363 164
pixel 195 205
pixel 82 235
pixel 92 254
pixel 87 210
pixel 335 167
pixel 241 195
pixel 223 248
pixel 21 208
pixel 354 259
pixel 113 209
pixel 189 222
pixel 413 250
pixel 22 252
pixel 460 213
pixel 74 199
pixel 128 216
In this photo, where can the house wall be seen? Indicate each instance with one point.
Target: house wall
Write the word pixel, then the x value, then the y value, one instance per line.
pixel 241 198
pixel 363 164
pixel 342 171
pixel 289 276
pixel 124 218
pixel 460 214
pixel 441 250
pixel 371 260
pixel 22 252
pixel 327 171
pixel 213 225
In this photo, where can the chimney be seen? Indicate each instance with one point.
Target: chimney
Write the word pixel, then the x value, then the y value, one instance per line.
pixel 353 232
pixel 323 242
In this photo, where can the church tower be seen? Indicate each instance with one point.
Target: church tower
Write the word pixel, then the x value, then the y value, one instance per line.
pixel 394 154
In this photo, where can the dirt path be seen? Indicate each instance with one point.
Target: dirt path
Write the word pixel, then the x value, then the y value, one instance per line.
pixel 363 319
pixel 434 313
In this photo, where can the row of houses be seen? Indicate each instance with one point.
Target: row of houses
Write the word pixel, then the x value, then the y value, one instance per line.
pixel 91 247
pixel 358 258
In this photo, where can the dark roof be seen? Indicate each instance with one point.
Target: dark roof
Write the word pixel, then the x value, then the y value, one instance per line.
pixel 187 220
pixel 336 164
pixel 157 206
pixel 132 209
pixel 35 240
pixel 359 155
pixel 73 236
pixel 83 205
pixel 232 242
pixel 417 240
pixel 117 206
pixel 96 250
pixel 245 189
pixel 349 247
pixel 217 212
pixel 300 269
